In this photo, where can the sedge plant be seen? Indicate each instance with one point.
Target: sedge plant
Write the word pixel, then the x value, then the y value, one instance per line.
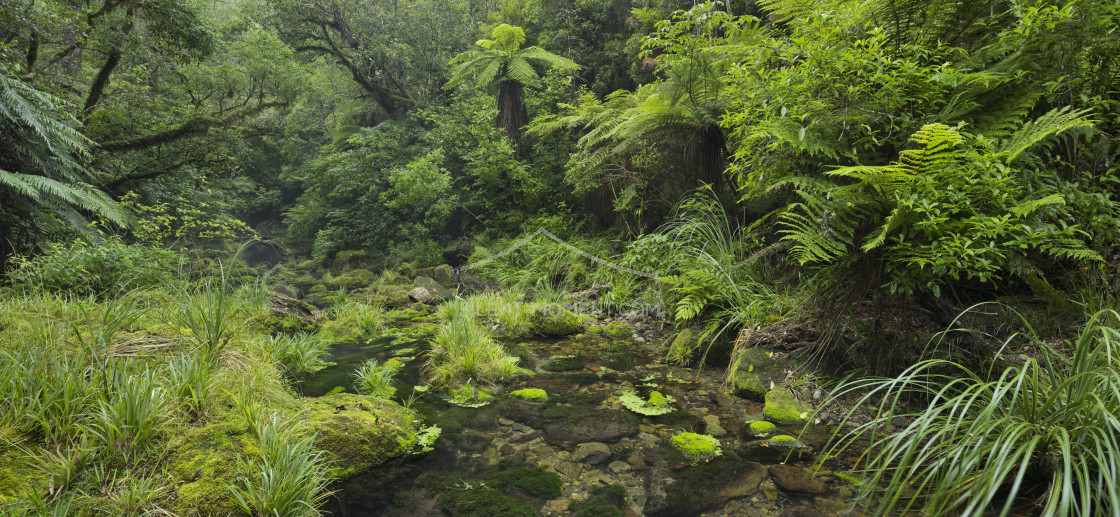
pixel 1044 431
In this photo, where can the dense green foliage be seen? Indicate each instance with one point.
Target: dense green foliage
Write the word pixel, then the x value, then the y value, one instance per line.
pixel 841 177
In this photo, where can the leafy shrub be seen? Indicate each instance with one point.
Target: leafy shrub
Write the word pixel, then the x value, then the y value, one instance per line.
pixel 105 267
pixel 1047 430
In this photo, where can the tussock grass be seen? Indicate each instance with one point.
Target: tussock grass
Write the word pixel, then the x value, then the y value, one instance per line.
pixel 1047 430
pixel 463 351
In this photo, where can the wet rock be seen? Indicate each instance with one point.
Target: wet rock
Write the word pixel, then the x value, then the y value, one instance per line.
pixel 619 467
pixel 474 284
pixel 583 425
pixel 420 295
pixel 554 321
pixel 568 469
pixel 443 275
pixel 712 426
pixel 802 511
pixel 292 314
pixel 695 488
pixel 559 506
pixel 757 370
pixel 636 462
pixel 593 453
pixel 506 449
pixel 831 505
pixel 796 479
pixel 524 437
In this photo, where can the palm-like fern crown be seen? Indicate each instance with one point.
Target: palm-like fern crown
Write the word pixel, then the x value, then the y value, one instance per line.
pixel 40 163
pixel 503 59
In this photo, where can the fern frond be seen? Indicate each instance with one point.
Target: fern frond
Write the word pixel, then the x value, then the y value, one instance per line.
pixel 1054 122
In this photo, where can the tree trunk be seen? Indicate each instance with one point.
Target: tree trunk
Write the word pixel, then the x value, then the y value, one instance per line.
pixel 512 115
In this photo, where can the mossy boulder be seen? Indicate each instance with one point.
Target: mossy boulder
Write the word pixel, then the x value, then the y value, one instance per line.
pixel 682 346
pixel 289 315
pixel 353 279
pixel 205 462
pixel 554 321
pixel 443 274
pixel 756 370
pixel 351 259
pixel 393 295
pixel 359 432
pixel 783 408
pixel 437 290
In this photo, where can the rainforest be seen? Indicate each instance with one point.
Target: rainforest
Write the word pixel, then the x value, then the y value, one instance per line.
pixel 593 258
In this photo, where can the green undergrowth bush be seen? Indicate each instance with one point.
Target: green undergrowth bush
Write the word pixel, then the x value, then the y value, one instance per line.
pixel 1043 429
pixel 102 267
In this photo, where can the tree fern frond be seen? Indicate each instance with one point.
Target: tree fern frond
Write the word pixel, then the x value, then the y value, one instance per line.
pixel 518 69
pixel 1053 122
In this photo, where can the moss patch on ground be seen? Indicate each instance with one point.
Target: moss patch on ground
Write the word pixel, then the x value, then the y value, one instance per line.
pixel 359 432
pixel 530 394
pixel 207 461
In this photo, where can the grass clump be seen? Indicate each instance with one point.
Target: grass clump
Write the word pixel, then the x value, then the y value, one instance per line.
pixel 656 404
pixel 290 477
pixel 1047 430
pixel 376 379
pixel 696 446
pixel 463 351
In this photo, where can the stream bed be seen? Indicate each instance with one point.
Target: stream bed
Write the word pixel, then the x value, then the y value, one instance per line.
pixel 580 451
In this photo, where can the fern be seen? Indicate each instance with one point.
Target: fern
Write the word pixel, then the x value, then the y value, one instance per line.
pixel 45 151
pixel 1052 123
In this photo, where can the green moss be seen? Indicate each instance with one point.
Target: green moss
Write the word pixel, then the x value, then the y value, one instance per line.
pixel 554 321
pixel 480 501
pixel 594 507
pixel 207 461
pixel 762 427
pixel 353 259
pixel 359 432
pixel 696 446
pixel 534 481
pixel 782 408
pixel 9 485
pixel 848 478
pixel 784 440
pixel 558 412
pixel 353 279
pixel 680 350
pixel 530 394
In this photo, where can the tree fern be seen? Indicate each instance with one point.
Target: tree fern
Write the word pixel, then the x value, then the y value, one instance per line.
pixel 41 164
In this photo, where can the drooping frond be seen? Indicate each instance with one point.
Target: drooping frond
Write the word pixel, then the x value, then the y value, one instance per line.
pixel 1052 123
pixel 541 57
pixel 782 10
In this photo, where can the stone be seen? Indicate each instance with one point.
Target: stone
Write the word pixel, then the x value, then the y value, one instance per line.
pixel 712 426
pixel 359 432
pixel 757 369
pixel 699 487
pixel 831 505
pixel 437 290
pixel 420 295
pixel 524 437
pixel 619 467
pixel 505 421
pixel 568 469
pixel 506 449
pixel 802 511
pixel 796 479
pixel 292 312
pixel 784 409
pixel 443 274
pixel 636 462
pixel 554 321
pixel 559 506
pixel 592 452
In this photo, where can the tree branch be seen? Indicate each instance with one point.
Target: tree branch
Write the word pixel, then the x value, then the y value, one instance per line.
pixel 193 127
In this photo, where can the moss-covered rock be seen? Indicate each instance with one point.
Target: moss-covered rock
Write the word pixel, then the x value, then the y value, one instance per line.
pixel 483 502
pixel 353 279
pixel 359 432
pixel 351 259
pixel 436 289
pixel 206 461
pixel 530 394
pixel 393 295
pixel 533 481
pixel 681 348
pixel 756 370
pixel 554 321
pixel 696 446
pixel 782 408
pixel 762 428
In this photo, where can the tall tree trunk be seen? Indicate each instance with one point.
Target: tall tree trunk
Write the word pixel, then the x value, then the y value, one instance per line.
pixel 97 90
pixel 512 115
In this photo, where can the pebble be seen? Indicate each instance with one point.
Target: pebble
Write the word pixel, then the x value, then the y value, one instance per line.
pixel 505 421
pixel 619 467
